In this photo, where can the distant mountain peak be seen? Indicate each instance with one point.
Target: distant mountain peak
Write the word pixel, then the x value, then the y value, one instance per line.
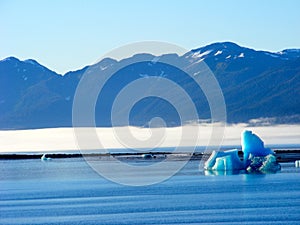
pixel 225 50
pixel 292 50
pixel 11 58
pixel 229 50
pixel 31 61
pixel 218 46
pixel 27 61
pixel 290 53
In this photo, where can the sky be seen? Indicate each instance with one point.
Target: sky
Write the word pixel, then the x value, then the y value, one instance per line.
pixel 68 35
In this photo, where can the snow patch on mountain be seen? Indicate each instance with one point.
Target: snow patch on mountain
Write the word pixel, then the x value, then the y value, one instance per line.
pixel 200 55
pixel 242 55
pixel 34 63
pixel 218 53
pixel 103 67
pixel 195 74
pixel 198 61
pixel 274 55
pixel 31 61
pixel 24 77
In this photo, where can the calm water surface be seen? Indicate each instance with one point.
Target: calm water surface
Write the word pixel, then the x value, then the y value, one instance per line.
pixel 68 191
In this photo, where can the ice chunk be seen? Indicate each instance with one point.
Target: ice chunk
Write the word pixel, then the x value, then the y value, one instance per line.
pixel 257 158
pixel 252 144
pixel 147 156
pixel 45 158
pixel 263 164
pixel 227 160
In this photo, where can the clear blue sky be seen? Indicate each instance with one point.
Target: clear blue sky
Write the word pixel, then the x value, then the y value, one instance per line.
pixel 67 35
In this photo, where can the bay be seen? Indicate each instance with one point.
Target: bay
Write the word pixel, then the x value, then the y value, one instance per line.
pixel 69 191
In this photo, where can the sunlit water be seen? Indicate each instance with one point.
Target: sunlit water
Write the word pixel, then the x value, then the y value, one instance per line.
pixel 68 191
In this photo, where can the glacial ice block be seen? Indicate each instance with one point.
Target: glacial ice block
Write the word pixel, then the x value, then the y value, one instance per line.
pixel 257 158
pixel 263 164
pixel 224 161
pixel 252 144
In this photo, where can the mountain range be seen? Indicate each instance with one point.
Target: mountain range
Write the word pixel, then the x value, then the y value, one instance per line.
pixel 259 87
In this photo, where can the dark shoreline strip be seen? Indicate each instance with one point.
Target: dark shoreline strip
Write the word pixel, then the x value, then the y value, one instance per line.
pixel 284 155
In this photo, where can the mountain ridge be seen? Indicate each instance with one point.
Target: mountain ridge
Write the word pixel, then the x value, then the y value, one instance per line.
pixel 294 52
pixel 255 84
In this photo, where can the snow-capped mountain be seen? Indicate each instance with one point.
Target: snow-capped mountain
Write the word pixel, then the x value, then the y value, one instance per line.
pixel 231 51
pixel 255 84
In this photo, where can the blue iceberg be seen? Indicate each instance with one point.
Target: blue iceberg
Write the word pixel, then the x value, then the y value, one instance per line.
pixel 257 158
pixel 224 161
pixel 252 144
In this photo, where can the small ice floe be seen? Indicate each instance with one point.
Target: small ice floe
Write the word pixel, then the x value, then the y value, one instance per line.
pixel 147 156
pixel 257 158
pixel 297 163
pixel 45 158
